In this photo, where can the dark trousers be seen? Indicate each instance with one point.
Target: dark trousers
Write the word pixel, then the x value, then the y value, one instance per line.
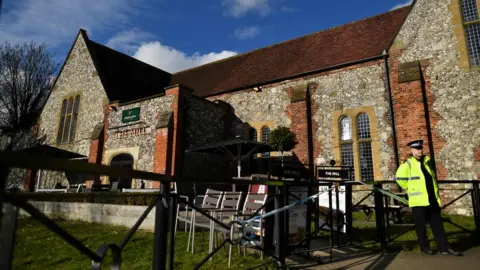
pixel 431 214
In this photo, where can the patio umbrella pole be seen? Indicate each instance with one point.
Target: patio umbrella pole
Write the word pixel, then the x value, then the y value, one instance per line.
pixel 39 172
pixel 239 165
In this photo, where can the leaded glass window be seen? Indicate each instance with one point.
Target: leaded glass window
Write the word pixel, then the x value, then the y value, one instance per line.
pixel 67 127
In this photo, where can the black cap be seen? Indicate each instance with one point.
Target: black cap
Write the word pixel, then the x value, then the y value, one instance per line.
pixel 416 144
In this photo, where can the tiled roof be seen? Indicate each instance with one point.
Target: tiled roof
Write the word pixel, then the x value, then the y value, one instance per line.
pixel 358 40
pixel 126 78
pixel 123 77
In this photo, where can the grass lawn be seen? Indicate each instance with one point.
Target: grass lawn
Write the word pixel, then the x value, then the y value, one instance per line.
pixel 38 248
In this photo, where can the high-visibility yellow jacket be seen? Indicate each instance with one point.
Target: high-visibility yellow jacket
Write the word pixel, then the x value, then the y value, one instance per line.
pixel 410 177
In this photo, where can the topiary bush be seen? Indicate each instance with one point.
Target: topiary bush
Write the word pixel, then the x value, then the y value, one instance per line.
pixel 282 139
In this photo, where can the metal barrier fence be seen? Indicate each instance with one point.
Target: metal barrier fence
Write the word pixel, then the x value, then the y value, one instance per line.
pixel 276 243
pixel 382 216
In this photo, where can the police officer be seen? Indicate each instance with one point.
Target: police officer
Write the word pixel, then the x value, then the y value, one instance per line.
pixel 417 178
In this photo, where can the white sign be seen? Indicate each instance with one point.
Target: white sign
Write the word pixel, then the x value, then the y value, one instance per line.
pixel 297 216
pixel 323 202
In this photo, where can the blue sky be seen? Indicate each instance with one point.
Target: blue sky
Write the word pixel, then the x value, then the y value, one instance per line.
pixel 178 34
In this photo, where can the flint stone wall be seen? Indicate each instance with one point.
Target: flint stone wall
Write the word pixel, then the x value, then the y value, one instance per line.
pixel 349 89
pixel 144 143
pixel 270 104
pixel 428 33
pixel 204 125
pixel 78 76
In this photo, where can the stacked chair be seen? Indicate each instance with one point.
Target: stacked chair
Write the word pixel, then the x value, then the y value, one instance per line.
pixel 224 206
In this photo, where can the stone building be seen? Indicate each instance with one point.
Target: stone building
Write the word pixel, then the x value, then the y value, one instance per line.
pixel 355 93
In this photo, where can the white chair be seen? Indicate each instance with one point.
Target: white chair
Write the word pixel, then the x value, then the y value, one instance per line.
pixel 179 218
pixel 211 201
pixel 229 207
pixel 252 203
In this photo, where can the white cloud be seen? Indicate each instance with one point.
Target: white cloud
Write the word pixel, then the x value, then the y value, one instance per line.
pixel 172 60
pixel 56 22
pixel 129 40
pixel 247 32
pixel 238 8
pixel 143 46
pixel 409 2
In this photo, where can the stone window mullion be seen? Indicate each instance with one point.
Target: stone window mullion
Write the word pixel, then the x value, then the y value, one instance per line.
pixel 73 127
pixel 356 155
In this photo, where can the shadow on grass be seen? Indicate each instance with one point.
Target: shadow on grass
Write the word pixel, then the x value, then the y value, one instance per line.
pixel 459 239
pixel 36 247
pixel 346 258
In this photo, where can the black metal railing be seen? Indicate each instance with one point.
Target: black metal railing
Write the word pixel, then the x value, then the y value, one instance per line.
pixel 275 247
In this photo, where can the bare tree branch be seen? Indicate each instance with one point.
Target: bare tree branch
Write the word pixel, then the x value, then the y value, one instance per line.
pixel 26 73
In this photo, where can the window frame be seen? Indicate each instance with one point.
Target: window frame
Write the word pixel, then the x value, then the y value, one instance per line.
pixel 346 142
pixel 353 113
pixel 465 25
pixel 364 140
pixel 264 127
pixel 70 139
pixel 257 126
pixel 459 29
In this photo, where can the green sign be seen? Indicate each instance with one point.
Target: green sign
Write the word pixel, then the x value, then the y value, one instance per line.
pixel 131 115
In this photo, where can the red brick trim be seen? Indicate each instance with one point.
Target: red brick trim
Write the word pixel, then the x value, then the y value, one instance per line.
pixel 162 163
pixel 410 115
pixel 178 127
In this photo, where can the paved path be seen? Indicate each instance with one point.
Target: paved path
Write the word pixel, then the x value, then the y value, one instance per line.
pixel 359 260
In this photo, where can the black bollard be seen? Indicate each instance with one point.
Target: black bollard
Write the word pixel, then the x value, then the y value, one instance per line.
pixel 348 212
pixel 173 224
pixel 280 233
pixel 380 218
pixel 161 229
pixel 476 209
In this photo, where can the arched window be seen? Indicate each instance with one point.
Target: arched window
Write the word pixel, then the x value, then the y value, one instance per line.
pixel 265 132
pixel 67 127
pixel 122 161
pixel 355 142
pixel 471 24
pixel 346 141
pixel 253 134
pixel 364 141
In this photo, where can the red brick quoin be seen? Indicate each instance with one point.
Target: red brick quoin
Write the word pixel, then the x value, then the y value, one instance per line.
pixel 168 155
pixel 411 116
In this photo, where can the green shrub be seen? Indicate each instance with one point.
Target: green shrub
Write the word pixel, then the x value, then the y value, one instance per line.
pixel 282 139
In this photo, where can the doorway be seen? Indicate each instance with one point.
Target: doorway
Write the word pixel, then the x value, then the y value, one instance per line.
pixel 122 161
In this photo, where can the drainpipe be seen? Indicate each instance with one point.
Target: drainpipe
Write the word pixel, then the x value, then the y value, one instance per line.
pixel 392 114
